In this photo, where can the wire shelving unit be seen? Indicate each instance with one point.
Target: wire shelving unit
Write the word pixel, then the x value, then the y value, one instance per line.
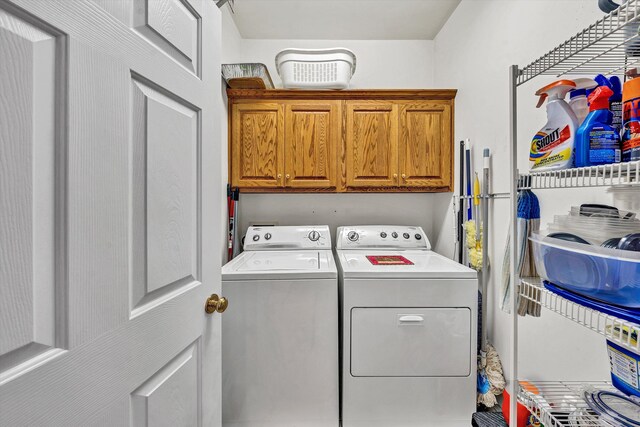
pixel 560 404
pixel 622 332
pixel 609 46
pixel 627 173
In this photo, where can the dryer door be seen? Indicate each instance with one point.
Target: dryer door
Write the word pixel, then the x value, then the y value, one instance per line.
pixel 410 342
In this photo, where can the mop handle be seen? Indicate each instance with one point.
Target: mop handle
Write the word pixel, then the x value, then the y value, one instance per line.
pixel 485 244
pixel 467 153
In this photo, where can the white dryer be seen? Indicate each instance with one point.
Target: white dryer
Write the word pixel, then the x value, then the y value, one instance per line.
pixel 408 325
pixel 280 332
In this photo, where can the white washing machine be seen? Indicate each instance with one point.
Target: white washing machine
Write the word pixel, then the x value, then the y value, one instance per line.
pixel 408 326
pixel 280 332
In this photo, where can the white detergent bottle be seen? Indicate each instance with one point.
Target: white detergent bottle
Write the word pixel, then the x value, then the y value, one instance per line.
pixel 552 146
pixel 578 98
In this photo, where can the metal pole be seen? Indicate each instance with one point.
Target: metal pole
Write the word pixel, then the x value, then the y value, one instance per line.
pixel 514 280
pixel 485 246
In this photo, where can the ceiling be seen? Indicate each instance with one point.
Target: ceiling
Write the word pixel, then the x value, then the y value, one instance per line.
pixel 342 19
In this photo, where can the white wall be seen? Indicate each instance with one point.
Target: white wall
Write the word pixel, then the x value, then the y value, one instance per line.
pixel 380 64
pixel 472 53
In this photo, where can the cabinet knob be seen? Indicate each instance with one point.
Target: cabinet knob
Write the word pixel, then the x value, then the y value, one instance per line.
pixel 404 176
pixel 279 176
pixel 395 176
pixel 287 176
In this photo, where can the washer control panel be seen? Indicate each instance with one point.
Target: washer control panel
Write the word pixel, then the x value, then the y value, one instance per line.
pixel 381 237
pixel 287 237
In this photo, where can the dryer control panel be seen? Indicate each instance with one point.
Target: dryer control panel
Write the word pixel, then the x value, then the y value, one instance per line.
pixel 287 237
pixel 381 237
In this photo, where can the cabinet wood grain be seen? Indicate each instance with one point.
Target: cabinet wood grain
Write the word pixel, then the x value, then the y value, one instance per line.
pixel 341 141
pixel 257 149
pixel 371 144
pixel 425 144
pixel 312 137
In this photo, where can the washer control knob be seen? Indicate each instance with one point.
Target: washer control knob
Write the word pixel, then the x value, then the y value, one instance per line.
pixel 267 236
pixel 418 236
pixel 406 235
pixel 394 235
pixel 314 236
pixel 256 237
pixel 353 236
pixel 383 234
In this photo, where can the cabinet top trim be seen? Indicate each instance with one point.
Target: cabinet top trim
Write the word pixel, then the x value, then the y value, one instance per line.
pixel 367 94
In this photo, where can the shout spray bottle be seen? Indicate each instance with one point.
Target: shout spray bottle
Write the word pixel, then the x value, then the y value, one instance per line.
pixel 552 146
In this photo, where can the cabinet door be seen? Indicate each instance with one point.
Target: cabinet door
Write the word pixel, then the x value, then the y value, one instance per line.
pixel 371 144
pixel 425 146
pixel 257 145
pixel 311 139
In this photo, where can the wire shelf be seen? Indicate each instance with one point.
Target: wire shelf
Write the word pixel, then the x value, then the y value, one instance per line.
pixel 561 404
pixel 627 173
pixel 602 323
pixel 610 45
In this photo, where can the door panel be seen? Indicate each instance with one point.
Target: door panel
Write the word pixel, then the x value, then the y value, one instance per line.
pixel 425 147
pixel 167 397
pixel 258 156
pixel 371 144
pixel 311 140
pixel 31 88
pixel 173 26
pixel 165 148
pixel 110 212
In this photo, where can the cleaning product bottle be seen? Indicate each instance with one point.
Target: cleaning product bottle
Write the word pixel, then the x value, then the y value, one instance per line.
pixel 615 103
pixel 631 120
pixel 552 146
pixel 578 103
pixel 597 141
pixel 578 97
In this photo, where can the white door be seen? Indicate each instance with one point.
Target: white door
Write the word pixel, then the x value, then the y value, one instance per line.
pixel 109 212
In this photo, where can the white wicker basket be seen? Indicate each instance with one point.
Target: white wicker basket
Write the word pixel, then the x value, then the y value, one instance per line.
pixel 316 68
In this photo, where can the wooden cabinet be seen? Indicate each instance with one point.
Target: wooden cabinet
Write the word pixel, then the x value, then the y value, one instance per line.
pixel 425 145
pixel 371 144
pixel 312 136
pixel 279 145
pixel 257 155
pixel 355 140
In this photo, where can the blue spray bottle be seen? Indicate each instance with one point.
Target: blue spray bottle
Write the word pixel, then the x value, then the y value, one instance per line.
pixel 597 141
pixel 615 102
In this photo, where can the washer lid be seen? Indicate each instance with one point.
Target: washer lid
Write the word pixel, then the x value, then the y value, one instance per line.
pixel 424 264
pixel 272 265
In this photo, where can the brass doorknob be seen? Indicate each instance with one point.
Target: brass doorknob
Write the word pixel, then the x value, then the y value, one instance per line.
pixel 215 303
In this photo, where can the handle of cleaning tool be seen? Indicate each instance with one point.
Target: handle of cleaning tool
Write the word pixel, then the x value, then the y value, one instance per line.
pixel 476 204
pixel 484 274
pixel 467 153
pixel 461 204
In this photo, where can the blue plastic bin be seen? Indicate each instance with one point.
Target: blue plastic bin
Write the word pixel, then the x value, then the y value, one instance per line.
pixel 608 275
